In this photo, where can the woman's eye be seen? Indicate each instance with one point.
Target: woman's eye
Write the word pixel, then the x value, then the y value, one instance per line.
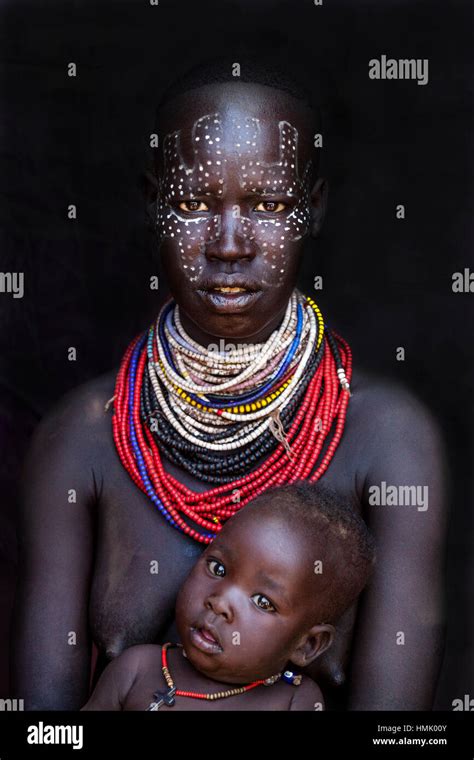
pixel 216 568
pixel 264 603
pixel 193 206
pixel 271 207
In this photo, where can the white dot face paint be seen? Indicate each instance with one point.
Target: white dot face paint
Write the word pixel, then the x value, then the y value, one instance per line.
pixel 181 182
pixel 270 233
pixel 272 180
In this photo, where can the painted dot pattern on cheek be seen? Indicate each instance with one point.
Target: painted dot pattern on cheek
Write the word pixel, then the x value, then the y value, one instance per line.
pixel 271 235
pixel 181 182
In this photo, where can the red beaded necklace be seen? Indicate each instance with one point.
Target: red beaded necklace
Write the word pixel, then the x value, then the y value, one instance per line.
pixel 168 697
pixel 324 405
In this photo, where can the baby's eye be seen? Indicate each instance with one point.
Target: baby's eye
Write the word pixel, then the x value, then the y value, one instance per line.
pixel 193 205
pixel 264 603
pixel 216 568
pixel 272 207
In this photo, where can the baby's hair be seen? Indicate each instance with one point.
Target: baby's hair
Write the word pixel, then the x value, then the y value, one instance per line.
pixel 342 542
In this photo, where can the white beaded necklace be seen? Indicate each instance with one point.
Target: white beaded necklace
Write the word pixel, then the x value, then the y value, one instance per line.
pixel 237 366
pixel 250 365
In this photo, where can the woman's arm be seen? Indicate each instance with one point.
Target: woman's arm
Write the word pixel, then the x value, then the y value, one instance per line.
pixel 51 645
pixel 398 639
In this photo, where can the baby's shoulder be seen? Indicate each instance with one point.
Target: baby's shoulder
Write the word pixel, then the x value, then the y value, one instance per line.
pixel 140 656
pixel 135 662
pixel 139 664
pixel 307 696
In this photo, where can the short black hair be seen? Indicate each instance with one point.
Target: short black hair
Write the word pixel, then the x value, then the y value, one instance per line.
pixel 267 71
pixel 344 544
pixel 253 71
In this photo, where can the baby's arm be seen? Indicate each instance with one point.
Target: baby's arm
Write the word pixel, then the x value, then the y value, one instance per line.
pixel 307 696
pixel 115 682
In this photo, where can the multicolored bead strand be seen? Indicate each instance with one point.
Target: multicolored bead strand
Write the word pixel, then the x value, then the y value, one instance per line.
pixel 279 428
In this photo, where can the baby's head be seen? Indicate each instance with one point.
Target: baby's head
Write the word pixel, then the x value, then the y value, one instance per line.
pixel 270 587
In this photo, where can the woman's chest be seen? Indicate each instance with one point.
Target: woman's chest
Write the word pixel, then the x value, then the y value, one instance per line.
pixel 140 563
pixel 141 560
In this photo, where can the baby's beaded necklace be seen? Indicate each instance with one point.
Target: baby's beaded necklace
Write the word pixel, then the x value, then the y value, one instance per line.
pixel 168 697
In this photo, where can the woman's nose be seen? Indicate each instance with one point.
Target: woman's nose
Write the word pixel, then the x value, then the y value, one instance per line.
pixel 233 242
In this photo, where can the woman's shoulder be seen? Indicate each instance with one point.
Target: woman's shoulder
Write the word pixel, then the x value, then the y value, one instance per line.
pixel 383 401
pixel 77 425
pixel 88 399
pixel 82 407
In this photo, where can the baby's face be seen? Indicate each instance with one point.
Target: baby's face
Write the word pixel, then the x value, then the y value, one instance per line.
pixel 248 601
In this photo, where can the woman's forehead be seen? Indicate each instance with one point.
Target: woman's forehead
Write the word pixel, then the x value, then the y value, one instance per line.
pixel 216 138
pixel 241 117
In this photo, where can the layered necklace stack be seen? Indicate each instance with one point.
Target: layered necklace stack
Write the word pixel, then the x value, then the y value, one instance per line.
pixel 264 409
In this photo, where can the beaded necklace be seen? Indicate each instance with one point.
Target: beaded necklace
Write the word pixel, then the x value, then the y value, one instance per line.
pixel 265 410
pixel 168 697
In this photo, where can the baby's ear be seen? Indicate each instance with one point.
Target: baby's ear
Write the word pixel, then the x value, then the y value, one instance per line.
pixel 314 643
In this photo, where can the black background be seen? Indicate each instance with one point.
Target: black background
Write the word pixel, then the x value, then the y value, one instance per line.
pixel 387 282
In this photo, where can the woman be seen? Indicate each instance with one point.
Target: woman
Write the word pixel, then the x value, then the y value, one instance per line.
pixel 112 520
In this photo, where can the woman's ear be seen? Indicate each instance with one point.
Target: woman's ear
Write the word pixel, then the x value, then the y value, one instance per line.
pixel 318 199
pixel 148 184
pixel 314 643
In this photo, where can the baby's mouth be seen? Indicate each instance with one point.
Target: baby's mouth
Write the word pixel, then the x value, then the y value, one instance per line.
pixel 205 640
pixel 208 635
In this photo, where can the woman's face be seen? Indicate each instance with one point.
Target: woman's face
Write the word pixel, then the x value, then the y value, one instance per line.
pixel 233 208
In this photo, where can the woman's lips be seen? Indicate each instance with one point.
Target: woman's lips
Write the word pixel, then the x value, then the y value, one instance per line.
pixel 205 641
pixel 229 301
pixel 230 290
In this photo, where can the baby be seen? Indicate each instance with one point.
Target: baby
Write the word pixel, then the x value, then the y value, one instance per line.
pixel 261 601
